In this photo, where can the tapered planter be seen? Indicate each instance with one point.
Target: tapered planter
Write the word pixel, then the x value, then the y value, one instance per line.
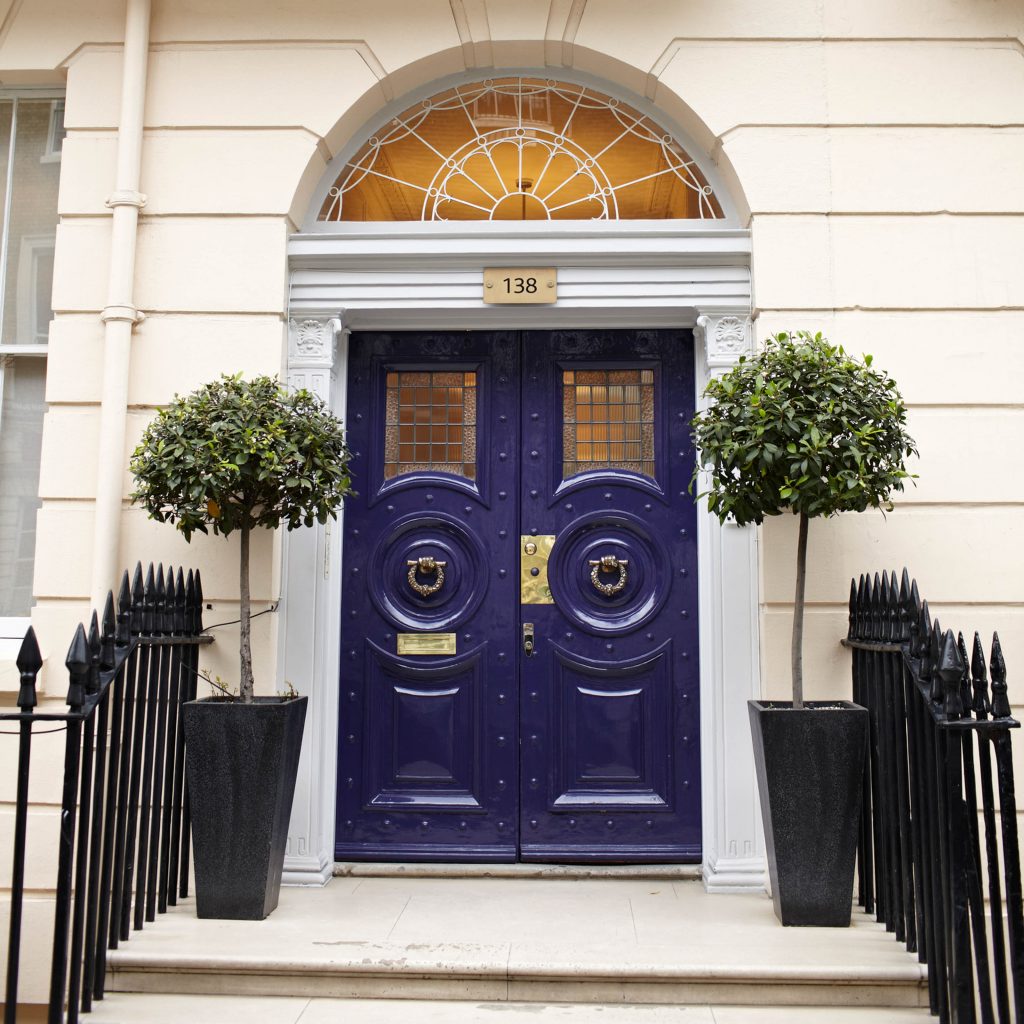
pixel 241 761
pixel 810 769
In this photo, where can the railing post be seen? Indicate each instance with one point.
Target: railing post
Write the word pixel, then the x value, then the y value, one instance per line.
pixel 101 643
pixel 142 623
pixel 154 668
pixel 1008 819
pixel 961 995
pixel 106 929
pixel 981 707
pixel 29 662
pixel 78 669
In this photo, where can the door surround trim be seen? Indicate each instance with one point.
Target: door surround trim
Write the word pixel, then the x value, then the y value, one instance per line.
pixel 611 275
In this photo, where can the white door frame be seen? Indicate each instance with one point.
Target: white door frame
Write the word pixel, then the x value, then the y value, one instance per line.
pixel 429 277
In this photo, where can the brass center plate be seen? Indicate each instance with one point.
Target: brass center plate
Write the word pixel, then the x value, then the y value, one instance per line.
pixel 534 554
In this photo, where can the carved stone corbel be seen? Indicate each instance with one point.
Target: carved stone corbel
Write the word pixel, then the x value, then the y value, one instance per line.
pixel 726 336
pixel 312 350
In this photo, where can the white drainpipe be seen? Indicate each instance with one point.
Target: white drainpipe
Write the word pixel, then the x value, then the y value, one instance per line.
pixel 120 314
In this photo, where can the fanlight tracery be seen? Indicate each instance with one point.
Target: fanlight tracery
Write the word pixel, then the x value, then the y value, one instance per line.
pixel 520 149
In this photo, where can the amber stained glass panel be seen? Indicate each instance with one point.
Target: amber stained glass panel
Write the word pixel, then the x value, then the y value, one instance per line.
pixel 430 422
pixel 520 148
pixel 607 420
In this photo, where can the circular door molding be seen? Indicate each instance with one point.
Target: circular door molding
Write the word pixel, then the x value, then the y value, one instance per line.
pixel 444 539
pixel 592 537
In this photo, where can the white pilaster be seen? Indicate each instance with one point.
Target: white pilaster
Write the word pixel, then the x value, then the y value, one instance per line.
pixel 310 608
pixel 734 858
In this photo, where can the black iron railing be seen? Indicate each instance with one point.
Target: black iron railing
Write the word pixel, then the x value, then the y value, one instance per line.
pixel 124 825
pixel 938 792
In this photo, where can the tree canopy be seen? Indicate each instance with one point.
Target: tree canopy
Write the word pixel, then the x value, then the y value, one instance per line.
pixel 238 453
pixel 801 427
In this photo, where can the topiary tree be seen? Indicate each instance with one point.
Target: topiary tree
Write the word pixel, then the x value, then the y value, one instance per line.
pixel 237 455
pixel 803 428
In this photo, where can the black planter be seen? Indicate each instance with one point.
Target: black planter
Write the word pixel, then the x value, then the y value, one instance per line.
pixel 810 769
pixel 241 761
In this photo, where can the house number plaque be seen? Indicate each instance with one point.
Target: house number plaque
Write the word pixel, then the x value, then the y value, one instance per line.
pixel 519 286
pixel 426 643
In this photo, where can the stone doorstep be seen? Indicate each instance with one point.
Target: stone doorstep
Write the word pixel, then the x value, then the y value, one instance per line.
pixel 645 872
pixel 429 973
pixel 539 939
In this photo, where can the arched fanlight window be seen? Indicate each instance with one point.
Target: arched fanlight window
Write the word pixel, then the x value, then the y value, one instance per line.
pixel 520 149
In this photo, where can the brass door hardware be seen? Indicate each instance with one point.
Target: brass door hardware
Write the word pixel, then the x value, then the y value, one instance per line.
pixel 533 569
pixel 609 564
pixel 428 566
pixel 528 638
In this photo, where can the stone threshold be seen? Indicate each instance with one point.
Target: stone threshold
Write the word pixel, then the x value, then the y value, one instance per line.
pixel 641 872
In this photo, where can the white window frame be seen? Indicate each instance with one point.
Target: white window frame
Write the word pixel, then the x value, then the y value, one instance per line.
pixel 27 321
pixel 53 154
pixel 13 627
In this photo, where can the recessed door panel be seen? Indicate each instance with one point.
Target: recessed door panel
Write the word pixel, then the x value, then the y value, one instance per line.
pixel 612 727
pixel 519 672
pixel 425 717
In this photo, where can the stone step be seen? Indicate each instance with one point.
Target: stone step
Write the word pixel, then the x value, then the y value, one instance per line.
pixel 597 941
pixel 467 972
pixel 120 1008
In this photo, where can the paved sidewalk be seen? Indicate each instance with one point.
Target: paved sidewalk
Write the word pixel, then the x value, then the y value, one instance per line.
pixel 122 1008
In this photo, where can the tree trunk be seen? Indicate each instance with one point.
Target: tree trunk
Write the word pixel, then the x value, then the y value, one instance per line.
pixel 798 614
pixel 245 684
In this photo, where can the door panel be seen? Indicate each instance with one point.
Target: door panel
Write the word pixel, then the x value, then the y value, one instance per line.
pixel 496 469
pixel 609 723
pixel 427 741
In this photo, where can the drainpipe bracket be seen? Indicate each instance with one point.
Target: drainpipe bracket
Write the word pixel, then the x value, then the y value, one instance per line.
pixel 126 313
pixel 126 197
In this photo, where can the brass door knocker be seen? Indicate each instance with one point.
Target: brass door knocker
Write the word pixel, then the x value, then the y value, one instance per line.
pixel 428 566
pixel 608 563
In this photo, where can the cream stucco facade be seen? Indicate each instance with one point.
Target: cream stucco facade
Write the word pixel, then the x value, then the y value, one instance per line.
pixel 870 156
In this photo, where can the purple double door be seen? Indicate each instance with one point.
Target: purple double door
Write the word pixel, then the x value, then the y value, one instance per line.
pixel 519 649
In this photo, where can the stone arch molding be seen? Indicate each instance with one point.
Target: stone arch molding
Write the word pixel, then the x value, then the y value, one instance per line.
pixel 428 276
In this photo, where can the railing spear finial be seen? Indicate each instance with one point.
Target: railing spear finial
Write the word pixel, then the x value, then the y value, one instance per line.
pixel 29 662
pixel 138 588
pixel 906 613
pixel 924 638
pixel 876 608
pixel 966 699
pixel 77 663
pixel 883 609
pixel 982 705
pixel 123 634
pixel 949 672
pixel 935 650
pixel 893 610
pixel 108 632
pixel 92 681
pixel 997 667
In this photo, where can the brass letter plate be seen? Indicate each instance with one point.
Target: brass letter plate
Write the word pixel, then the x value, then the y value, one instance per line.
pixel 426 643
pixel 533 569
pixel 519 285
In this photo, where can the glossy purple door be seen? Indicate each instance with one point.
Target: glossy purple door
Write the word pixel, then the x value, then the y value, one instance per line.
pixel 474 449
pixel 609 697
